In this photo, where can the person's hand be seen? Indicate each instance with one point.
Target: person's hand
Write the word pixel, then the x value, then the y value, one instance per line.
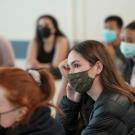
pixel 35 63
pixel 72 94
pixel 32 64
pixel 64 68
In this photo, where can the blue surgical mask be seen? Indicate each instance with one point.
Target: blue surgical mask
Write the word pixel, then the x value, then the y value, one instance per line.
pixel 127 49
pixel 109 35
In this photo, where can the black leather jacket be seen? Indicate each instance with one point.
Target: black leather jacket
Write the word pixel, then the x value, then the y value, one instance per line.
pixel 128 70
pixel 111 114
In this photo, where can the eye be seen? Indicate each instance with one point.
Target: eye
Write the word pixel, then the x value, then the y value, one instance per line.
pixel 76 65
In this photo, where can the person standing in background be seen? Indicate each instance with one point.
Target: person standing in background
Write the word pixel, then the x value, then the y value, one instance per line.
pixel 111 37
pixel 6 53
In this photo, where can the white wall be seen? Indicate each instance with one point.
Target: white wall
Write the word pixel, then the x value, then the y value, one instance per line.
pixel 79 19
pixel 97 10
pixel 17 17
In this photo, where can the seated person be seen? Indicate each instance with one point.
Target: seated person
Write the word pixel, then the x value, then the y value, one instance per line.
pixel 49 47
pixel 25 101
pixel 111 37
pixel 128 49
pixel 98 101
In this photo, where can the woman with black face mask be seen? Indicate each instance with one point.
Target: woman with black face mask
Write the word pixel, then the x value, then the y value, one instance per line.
pixel 97 101
pixel 49 47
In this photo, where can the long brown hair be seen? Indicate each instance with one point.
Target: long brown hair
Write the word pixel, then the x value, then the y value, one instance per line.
pixel 94 51
pixel 22 90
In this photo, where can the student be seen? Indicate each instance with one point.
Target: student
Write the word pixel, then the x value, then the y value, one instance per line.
pixel 49 47
pixel 6 53
pixel 128 49
pixel 25 101
pixel 111 36
pixel 96 96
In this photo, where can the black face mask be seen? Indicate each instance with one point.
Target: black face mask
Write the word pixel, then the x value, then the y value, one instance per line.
pixel 44 32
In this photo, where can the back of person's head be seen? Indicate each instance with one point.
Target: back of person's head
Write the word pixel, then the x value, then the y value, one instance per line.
pixel 115 18
pixel 131 25
pixel 94 51
pixel 24 89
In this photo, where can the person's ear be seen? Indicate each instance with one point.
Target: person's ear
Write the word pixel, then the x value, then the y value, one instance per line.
pixel 98 67
pixel 21 113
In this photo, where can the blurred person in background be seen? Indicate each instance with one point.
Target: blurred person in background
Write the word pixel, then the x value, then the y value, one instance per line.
pixel 128 49
pixel 49 46
pixel 111 36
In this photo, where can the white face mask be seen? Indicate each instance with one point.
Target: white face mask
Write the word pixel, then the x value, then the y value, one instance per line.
pixel 109 35
pixel 128 49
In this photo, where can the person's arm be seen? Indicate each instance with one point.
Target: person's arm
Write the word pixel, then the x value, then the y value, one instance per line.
pixel 70 118
pixel 40 123
pixel 61 51
pixel 62 90
pixel 106 120
pixel 64 69
pixel 32 55
pixel 8 58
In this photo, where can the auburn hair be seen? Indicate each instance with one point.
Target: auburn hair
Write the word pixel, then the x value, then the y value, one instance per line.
pixel 23 90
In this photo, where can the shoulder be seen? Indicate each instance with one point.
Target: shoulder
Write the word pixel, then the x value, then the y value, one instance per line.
pixel 41 111
pixel 41 123
pixel 114 104
pixel 62 41
pixel 47 122
pixel 33 42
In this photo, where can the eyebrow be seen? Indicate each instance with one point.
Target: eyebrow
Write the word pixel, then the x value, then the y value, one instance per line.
pixel 74 62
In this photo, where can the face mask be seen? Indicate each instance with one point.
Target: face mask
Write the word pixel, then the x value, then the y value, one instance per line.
pixel 127 49
pixel 80 82
pixel 109 35
pixel 44 32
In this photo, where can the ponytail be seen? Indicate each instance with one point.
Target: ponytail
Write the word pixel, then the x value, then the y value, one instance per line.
pixel 45 81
